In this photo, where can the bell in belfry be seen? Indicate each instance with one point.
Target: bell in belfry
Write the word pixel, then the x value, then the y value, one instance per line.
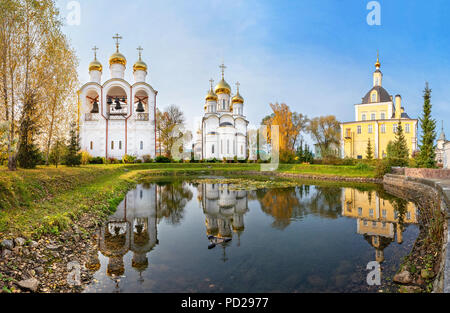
pixel 95 107
pixel 140 107
pixel 118 106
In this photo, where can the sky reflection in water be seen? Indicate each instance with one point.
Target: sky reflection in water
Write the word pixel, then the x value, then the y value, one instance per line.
pixel 302 239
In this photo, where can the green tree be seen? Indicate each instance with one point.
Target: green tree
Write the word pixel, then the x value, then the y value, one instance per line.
pixel 427 153
pixel 369 151
pixel 28 154
pixel 73 155
pixel 398 152
pixel 57 152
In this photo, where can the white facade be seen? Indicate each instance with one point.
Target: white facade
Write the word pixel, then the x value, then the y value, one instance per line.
pixel 115 117
pixel 447 155
pixel 223 133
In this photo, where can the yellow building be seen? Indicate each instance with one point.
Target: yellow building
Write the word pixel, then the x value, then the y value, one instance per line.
pixel 376 119
pixel 376 218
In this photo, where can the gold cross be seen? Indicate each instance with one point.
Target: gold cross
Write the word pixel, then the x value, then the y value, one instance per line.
pixel 237 85
pixel 140 49
pixel 117 38
pixel 212 82
pixel 223 67
pixel 95 52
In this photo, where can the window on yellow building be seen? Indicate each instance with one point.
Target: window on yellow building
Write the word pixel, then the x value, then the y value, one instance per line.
pixel 407 129
pixel 358 129
pixel 370 129
pixel 374 97
pixel 359 211
pixel 363 117
pixel 371 212
pixel 383 115
pixel 373 116
pixel 394 128
pixel 383 128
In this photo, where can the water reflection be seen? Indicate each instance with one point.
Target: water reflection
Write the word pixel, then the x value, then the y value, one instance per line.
pixel 133 227
pixel 379 220
pixel 224 211
pixel 309 231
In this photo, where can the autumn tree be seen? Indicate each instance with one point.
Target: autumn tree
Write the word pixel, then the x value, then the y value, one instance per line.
pixel 36 66
pixel 169 124
pixel 326 132
pixel 290 126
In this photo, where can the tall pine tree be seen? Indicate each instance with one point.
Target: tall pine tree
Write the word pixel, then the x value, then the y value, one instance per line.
pixel 369 151
pixel 398 153
pixel 427 153
pixel 28 155
pixel 73 157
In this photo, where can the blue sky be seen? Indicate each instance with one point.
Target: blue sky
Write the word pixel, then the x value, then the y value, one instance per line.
pixel 317 56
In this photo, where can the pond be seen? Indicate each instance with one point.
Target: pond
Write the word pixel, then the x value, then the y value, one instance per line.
pixel 181 236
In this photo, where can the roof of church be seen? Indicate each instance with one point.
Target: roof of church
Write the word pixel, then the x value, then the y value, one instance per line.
pixel 383 95
pixel 404 115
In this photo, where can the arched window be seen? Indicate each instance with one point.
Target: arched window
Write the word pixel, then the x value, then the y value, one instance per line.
pixel 223 105
pixel 142 145
pixel 212 149
pixel 228 146
pixel 120 145
pixel 242 149
pixel 112 145
pixel 92 145
pixel 374 97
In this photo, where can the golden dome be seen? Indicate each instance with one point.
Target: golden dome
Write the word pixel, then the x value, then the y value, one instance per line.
pixel 222 87
pixel 237 98
pixel 95 66
pixel 211 96
pixel 140 66
pixel 118 58
pixel 378 64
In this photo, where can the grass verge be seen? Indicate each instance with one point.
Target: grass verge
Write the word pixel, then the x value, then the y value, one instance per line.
pixel 48 200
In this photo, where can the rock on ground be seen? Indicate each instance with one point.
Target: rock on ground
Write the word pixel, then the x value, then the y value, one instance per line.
pixel 7 244
pixel 31 284
pixel 403 277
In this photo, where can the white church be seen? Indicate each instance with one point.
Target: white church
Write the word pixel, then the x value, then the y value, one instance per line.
pixel 116 117
pixel 223 131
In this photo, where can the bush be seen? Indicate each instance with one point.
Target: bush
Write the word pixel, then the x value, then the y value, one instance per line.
pixel 287 156
pixel 382 168
pixel 147 158
pixel 112 161
pixel 138 161
pixel 97 160
pixel 85 158
pixel 162 159
pixel 363 167
pixel 128 159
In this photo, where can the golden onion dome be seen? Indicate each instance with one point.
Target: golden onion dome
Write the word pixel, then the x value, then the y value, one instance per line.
pixel 117 58
pixel 140 66
pixel 378 64
pixel 211 96
pixel 222 87
pixel 95 66
pixel 237 98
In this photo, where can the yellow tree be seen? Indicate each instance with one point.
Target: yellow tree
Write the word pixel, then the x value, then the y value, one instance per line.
pixel 290 125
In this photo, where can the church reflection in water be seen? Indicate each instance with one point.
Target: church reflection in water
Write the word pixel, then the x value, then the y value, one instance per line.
pixel 379 220
pixel 133 227
pixel 224 211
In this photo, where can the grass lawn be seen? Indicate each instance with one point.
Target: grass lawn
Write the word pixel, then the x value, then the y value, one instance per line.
pixel 47 200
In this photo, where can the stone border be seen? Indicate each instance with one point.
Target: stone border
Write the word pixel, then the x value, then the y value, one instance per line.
pixel 442 281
